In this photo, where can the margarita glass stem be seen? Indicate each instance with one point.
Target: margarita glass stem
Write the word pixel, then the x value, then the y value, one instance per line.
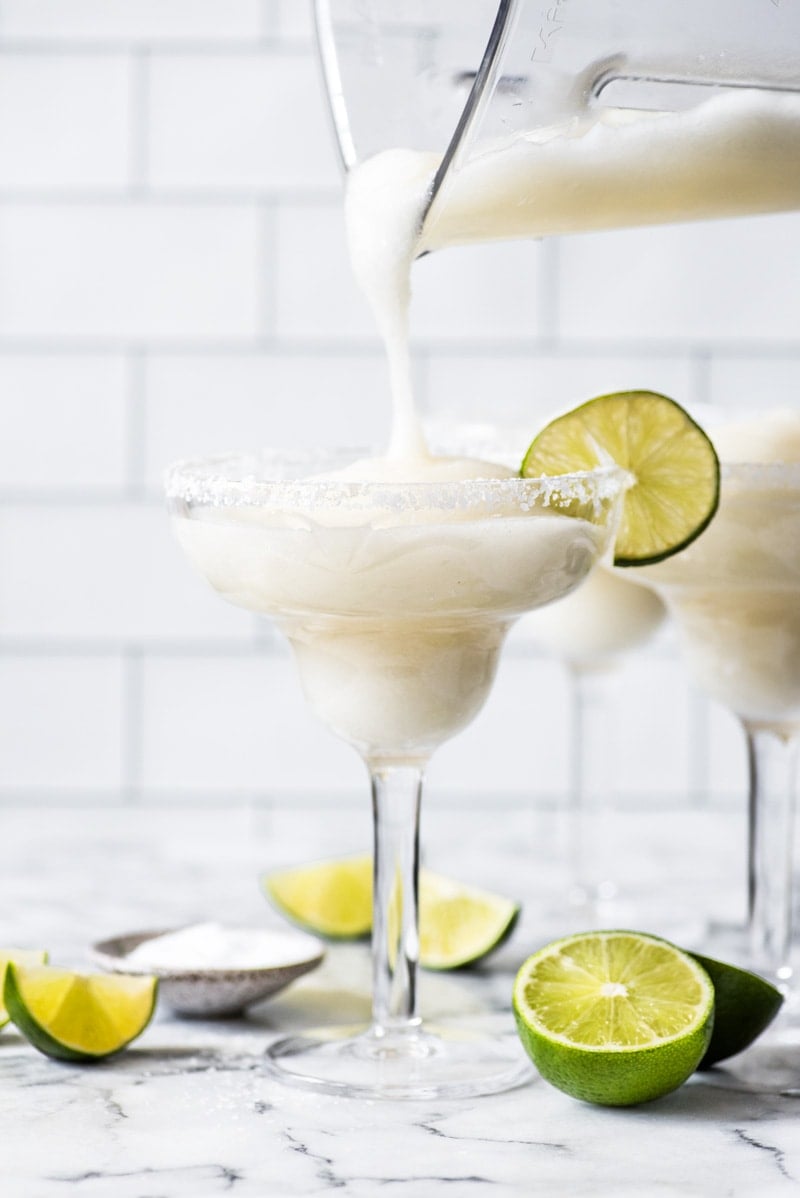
pixel 591 783
pixel 396 794
pixel 772 752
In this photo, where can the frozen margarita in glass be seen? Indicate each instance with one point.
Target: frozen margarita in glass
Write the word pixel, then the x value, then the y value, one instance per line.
pixel 735 594
pixel 395 583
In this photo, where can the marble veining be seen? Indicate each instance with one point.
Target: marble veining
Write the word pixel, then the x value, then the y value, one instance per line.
pixel 189 1110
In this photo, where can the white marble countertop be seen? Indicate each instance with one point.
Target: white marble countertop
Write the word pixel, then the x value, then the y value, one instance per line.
pixel 189 1111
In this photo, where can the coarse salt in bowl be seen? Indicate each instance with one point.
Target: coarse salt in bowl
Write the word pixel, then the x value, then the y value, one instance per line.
pixel 209 968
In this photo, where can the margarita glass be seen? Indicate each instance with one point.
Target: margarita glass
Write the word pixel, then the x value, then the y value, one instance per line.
pixel 735 595
pixel 395 597
pixel 591 632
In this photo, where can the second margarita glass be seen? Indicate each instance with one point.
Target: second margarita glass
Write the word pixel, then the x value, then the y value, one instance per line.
pixel 735 595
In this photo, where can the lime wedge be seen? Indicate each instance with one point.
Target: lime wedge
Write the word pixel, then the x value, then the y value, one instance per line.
pixel 458 925
pixel 614 1018
pixel 745 1004
pixel 78 1017
pixel 673 465
pixel 20 956
pixel 332 899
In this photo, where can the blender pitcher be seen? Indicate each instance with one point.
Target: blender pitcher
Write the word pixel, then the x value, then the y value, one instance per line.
pixel 583 82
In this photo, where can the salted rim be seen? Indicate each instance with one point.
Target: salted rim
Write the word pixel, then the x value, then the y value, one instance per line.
pixel 237 479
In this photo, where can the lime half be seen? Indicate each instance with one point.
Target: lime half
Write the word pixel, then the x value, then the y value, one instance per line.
pixel 745 1004
pixel 614 1018
pixel 674 468
pixel 458 924
pixel 19 956
pixel 78 1017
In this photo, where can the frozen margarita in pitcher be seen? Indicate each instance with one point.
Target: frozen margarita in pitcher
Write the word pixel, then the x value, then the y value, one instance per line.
pixel 735 154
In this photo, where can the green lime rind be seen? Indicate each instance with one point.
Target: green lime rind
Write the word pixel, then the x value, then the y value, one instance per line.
pixel 675 469
pixel 611 1072
pixel 621 1078
pixel 20 956
pixel 62 1049
pixel 745 1005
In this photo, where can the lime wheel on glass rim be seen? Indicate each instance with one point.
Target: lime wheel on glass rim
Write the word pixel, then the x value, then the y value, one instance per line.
pixel 673 468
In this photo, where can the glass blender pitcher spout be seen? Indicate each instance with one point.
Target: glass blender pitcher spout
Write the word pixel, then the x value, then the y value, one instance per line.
pixel 414 76
pixel 457 77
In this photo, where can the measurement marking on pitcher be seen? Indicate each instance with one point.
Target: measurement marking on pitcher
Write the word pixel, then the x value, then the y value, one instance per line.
pixel 552 26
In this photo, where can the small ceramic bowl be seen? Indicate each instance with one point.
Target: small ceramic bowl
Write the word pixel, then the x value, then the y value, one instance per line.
pixel 211 992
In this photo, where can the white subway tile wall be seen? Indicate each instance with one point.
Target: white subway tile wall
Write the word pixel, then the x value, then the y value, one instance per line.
pixel 173 280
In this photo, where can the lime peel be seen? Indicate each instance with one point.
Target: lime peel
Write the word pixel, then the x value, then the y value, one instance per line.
pixel 745 1004
pixel 17 956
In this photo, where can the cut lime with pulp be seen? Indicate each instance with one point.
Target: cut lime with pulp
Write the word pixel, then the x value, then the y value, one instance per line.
pixel 745 1004
pixel 19 956
pixel 614 1018
pixel 674 468
pixel 78 1017
pixel 458 924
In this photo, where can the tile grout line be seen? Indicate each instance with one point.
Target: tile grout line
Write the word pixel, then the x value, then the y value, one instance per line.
pixel 266 265
pixel 196 195
pixel 699 758
pixel 242 46
pixel 548 297
pixel 163 647
pixel 132 730
pixel 700 363
pixel 366 346
pixel 139 122
pixel 269 20
pixel 136 427
pixel 421 379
